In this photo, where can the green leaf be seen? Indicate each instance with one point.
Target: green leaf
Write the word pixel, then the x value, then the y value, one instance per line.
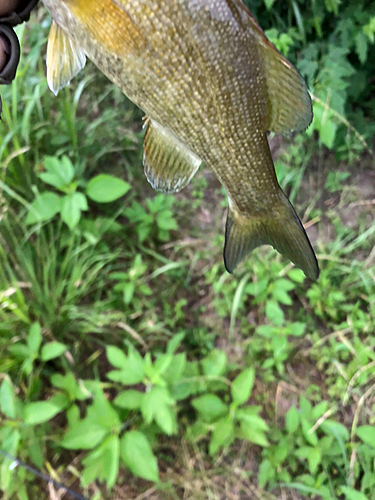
pixel 7 398
pixel 102 463
pixel 156 406
pixel 116 356
pixel 71 207
pixel 103 413
pixel 242 386
pixel 253 434
pixel 43 411
pixel 59 173
pixel 52 350
pixel 367 434
pixel 174 343
pixel 210 407
pixel 84 436
pixel 131 399
pixel 269 4
pixel 351 494
pixel 335 429
pixel 175 369
pixel 111 458
pixel 70 385
pixel 43 208
pixel 214 364
pixel 292 420
pixel 266 473
pixel 222 435
pixel 274 312
pixel 132 367
pixel 105 188
pixel 34 339
pixel 138 456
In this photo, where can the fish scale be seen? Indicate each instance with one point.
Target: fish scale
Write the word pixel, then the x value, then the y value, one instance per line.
pixel 211 85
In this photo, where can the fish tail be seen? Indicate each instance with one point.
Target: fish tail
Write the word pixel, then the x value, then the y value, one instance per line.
pixel 281 228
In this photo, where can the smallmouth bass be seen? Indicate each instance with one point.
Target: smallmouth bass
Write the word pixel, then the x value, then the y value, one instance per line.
pixel 211 85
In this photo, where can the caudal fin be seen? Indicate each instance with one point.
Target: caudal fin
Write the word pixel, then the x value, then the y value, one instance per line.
pixel 281 228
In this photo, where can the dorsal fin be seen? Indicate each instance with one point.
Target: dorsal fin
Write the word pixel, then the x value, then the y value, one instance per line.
pixel 65 59
pixel 168 164
pixel 289 106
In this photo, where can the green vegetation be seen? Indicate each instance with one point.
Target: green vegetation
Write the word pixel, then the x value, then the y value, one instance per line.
pixel 131 364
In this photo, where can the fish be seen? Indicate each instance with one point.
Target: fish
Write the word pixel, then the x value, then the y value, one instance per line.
pixel 211 85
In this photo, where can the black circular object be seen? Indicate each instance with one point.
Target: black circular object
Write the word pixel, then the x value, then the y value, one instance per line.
pixel 11 50
pixel 21 14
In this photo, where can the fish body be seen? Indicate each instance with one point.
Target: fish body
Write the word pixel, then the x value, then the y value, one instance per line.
pixel 211 85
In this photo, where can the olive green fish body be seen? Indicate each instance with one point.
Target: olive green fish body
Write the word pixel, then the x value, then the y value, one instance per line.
pixel 211 85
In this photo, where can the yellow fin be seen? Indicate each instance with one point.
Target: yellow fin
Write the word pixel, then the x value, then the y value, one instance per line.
pixel 65 59
pixel 168 164
pixel 289 106
pixel 283 231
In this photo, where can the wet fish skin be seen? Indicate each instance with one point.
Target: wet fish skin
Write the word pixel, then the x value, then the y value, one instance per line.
pixel 211 85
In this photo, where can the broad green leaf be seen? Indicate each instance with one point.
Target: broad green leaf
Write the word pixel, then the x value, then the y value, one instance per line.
pixel 274 312
pixel 335 429
pixel 214 364
pixel 43 411
pixel 59 173
pixel 111 460
pixel 102 463
pixel 210 407
pixel 43 208
pixel 314 459
pixel 292 420
pixel 351 494
pixel 138 456
pixel 310 437
pixel 103 413
pixel 70 385
pixel 242 386
pixel 71 206
pixel 7 398
pixel 367 434
pixel 84 436
pixel 254 421
pixel 175 369
pixel 116 356
pixel 131 399
pixel 34 339
pixel 132 366
pixel 162 363
pixel 52 350
pixel 222 435
pixel 105 188
pixel 253 434
pixel 266 473
pixel 156 406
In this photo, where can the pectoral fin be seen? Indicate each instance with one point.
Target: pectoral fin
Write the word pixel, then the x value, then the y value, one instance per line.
pixel 168 164
pixel 289 104
pixel 281 228
pixel 65 59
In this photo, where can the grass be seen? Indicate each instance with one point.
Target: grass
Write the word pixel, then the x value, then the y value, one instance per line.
pixel 146 273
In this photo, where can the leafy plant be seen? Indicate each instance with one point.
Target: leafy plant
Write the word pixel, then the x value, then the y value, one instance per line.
pixel 60 174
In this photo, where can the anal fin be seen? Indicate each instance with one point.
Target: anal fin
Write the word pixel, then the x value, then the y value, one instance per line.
pixel 289 102
pixel 168 164
pixel 65 59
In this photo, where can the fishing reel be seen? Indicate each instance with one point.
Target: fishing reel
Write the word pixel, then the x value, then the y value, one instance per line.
pixel 12 12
